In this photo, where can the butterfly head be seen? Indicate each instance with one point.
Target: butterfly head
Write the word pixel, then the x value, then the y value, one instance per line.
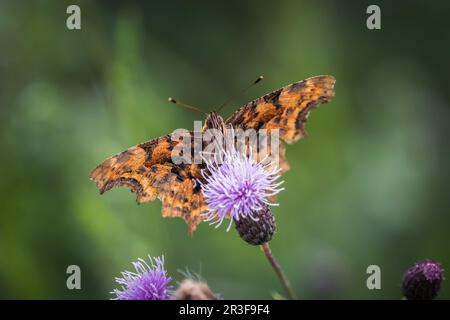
pixel 214 121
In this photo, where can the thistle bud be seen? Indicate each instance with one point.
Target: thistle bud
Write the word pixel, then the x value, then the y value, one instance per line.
pixel 258 228
pixel 422 281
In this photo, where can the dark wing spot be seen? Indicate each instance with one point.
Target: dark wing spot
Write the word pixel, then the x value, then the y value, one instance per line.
pixel 141 169
pixel 276 120
pixel 299 121
pixel 303 115
pixel 162 180
pixel 260 125
pixel 131 183
pixel 197 187
pixel 149 146
pixel 126 169
pixel 270 97
pixel 123 156
pixel 297 86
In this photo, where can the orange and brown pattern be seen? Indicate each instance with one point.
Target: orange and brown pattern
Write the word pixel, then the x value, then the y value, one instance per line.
pixel 148 170
pixel 286 109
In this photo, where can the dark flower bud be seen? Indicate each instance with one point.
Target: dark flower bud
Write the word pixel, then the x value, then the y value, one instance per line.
pixel 191 289
pixel 422 281
pixel 258 228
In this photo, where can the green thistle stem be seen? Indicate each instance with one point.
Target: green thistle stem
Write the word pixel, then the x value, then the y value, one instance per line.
pixel 276 266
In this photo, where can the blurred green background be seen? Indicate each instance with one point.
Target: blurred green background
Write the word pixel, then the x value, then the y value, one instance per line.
pixel 369 185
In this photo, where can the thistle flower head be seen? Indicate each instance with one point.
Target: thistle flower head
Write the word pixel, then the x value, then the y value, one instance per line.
pixel 422 281
pixel 237 186
pixel 148 282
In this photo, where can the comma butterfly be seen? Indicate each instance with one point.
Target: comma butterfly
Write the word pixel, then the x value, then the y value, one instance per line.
pixel 148 170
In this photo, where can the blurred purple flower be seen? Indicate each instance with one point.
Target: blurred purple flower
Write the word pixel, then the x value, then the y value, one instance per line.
pixel 148 282
pixel 423 280
pixel 237 186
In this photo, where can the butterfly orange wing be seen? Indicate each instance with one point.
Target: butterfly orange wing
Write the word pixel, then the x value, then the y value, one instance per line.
pixel 147 169
pixel 286 109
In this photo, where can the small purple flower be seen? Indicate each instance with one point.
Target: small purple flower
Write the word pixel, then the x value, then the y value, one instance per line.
pixel 148 282
pixel 237 186
pixel 422 281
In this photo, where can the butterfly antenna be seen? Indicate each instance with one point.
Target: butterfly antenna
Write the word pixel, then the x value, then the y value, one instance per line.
pixel 238 94
pixel 184 105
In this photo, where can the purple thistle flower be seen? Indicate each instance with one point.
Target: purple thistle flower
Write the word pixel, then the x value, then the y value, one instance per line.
pixel 422 281
pixel 148 282
pixel 237 185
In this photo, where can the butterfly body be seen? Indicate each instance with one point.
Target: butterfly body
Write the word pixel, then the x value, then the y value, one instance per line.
pixel 149 170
